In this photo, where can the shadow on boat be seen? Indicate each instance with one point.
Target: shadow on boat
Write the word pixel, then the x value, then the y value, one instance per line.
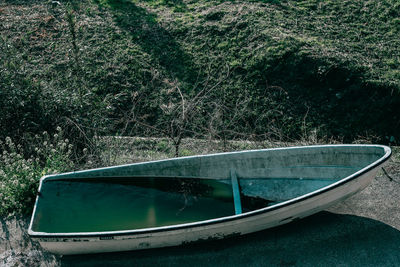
pixel 324 239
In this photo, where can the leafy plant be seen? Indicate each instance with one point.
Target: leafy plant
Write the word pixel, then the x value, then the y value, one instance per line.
pixel 19 176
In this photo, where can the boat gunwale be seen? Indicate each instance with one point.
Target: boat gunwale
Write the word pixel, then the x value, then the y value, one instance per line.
pixel 168 228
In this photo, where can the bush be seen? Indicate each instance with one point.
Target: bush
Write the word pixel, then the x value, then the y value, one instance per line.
pixel 19 176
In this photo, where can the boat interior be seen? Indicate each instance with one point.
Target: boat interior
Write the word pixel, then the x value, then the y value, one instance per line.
pixel 191 189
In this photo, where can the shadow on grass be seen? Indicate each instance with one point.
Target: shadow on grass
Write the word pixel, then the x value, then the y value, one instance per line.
pixel 153 39
pixel 325 239
pixel 337 102
pixel 177 5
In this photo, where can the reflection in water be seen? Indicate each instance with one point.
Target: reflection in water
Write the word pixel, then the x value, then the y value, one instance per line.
pixel 126 203
pixel 85 205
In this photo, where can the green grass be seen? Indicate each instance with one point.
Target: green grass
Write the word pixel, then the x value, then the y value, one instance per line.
pixel 294 66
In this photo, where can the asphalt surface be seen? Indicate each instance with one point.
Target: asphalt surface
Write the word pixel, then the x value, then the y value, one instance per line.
pixel 363 230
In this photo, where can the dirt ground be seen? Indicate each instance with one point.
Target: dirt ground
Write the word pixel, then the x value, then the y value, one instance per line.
pixel 363 230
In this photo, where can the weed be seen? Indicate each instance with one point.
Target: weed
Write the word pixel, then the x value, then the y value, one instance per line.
pixel 19 176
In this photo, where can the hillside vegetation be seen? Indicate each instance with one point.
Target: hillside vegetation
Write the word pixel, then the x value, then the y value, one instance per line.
pixel 73 72
pixel 280 70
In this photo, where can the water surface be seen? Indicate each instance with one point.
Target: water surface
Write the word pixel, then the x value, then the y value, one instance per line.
pixel 111 204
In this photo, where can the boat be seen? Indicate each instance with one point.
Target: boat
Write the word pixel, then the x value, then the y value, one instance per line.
pixel 198 198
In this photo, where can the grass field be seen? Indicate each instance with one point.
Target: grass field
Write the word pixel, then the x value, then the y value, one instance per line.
pixel 274 69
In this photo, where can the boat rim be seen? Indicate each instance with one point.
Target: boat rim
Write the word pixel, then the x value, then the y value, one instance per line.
pixel 218 220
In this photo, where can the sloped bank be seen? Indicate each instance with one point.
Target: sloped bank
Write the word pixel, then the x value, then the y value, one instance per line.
pixel 271 69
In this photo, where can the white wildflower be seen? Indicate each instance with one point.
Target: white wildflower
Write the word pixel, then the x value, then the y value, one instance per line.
pixel 8 140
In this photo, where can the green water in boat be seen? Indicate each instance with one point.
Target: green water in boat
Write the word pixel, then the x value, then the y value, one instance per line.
pixel 126 203
pixel 112 204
